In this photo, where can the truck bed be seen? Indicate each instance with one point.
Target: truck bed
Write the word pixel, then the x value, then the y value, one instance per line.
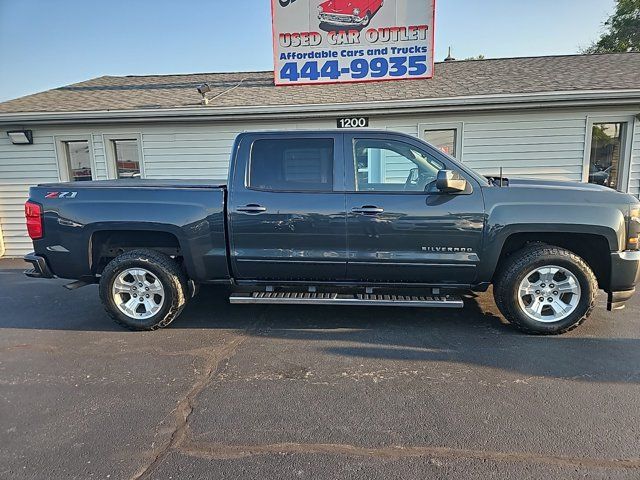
pixel 80 218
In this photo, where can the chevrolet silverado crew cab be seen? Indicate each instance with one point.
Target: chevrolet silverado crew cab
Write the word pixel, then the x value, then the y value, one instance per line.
pixel 348 217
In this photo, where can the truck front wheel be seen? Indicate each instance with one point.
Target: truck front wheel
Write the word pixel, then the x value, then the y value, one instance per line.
pixel 547 290
pixel 143 289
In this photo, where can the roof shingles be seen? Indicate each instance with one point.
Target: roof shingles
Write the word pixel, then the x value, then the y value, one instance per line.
pixel 451 79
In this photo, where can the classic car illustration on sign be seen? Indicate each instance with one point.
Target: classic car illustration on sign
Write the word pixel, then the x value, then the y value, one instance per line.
pixel 348 13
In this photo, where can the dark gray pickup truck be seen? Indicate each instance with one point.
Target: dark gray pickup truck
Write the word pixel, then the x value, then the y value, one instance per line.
pixel 358 217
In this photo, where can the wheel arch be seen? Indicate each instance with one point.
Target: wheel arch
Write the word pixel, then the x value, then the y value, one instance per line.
pixel 109 242
pixel 593 248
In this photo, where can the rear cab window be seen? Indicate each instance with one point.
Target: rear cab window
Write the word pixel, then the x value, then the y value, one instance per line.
pixel 291 164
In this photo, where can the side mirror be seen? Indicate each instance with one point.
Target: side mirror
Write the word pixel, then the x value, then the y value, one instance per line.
pixel 448 181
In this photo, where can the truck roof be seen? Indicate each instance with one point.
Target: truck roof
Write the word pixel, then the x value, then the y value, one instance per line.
pixel 321 131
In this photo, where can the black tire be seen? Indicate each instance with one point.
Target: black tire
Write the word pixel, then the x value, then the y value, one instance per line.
pixel 518 265
pixel 165 269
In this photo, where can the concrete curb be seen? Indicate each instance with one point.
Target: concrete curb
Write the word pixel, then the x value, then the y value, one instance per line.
pixel 13 264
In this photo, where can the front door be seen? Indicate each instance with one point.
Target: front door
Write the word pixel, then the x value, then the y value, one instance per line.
pixel 400 228
pixel 286 208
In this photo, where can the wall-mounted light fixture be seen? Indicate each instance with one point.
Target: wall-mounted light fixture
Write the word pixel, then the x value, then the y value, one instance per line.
pixel 21 137
pixel 203 90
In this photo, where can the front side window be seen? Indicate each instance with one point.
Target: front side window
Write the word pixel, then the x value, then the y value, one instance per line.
pixel 127 157
pixel 606 153
pixel 392 166
pixel 78 160
pixel 292 165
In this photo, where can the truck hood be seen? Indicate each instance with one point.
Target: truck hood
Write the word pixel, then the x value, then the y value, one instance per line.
pixel 542 183
pixel 603 192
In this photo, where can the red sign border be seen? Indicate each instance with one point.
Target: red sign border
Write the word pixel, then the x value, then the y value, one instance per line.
pixel 275 59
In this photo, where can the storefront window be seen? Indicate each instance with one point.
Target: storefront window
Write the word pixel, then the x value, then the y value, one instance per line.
pixel 444 140
pixel 78 160
pixel 606 153
pixel 127 158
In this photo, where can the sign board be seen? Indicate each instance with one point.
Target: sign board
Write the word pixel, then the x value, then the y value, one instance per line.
pixel 335 41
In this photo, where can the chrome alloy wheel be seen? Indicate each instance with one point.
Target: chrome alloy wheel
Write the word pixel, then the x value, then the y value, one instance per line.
pixel 138 293
pixel 549 293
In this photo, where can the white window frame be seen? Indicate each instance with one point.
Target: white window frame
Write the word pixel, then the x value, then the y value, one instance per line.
pixel 110 153
pixel 457 126
pixel 61 155
pixel 626 150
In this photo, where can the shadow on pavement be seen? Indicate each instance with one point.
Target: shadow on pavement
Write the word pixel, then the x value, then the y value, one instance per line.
pixel 473 335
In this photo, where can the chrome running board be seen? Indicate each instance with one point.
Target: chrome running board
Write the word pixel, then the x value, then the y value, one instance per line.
pixel 303 298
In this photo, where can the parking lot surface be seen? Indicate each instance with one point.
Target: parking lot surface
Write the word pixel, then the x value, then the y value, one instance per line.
pixel 246 392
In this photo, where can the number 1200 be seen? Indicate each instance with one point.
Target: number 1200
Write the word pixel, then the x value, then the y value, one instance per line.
pixel 358 122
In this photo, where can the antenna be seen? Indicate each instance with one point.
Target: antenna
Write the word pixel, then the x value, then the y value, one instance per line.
pixel 449 57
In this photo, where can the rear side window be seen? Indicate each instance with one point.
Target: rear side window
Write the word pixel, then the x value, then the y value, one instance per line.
pixel 292 165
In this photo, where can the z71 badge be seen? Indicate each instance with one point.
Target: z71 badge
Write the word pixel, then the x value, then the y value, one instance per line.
pixel 61 195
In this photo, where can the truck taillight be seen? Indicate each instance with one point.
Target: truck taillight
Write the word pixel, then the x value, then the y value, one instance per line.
pixel 33 213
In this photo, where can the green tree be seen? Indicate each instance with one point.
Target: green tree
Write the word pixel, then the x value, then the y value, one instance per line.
pixel 622 30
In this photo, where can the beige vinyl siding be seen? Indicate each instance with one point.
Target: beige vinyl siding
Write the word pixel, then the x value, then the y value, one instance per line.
pixel 20 167
pixel 550 146
pixel 634 175
pixel 196 152
pixel 201 150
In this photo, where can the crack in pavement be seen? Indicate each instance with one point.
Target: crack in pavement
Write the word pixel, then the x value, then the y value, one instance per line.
pixel 216 451
pixel 214 358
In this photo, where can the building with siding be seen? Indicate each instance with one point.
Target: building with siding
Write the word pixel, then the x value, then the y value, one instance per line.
pixel 565 117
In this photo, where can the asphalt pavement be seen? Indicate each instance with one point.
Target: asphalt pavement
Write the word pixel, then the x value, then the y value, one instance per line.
pixel 260 392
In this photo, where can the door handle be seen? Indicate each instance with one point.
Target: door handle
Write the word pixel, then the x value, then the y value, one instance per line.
pixel 252 208
pixel 368 210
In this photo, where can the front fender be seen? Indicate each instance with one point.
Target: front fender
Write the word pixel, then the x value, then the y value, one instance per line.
pixel 505 220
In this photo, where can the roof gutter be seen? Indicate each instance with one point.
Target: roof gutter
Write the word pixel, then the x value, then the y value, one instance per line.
pixel 387 107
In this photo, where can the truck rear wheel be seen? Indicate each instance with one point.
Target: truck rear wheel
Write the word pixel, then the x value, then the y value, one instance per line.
pixel 143 289
pixel 546 290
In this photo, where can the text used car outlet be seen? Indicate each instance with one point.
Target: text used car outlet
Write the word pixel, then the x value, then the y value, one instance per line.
pixel 346 217
pixel 352 40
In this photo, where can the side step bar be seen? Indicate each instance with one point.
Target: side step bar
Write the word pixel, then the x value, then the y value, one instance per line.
pixel 347 299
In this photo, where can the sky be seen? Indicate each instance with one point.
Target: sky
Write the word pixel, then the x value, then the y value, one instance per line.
pixel 50 43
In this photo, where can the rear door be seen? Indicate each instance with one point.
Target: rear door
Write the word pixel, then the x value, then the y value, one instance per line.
pixel 287 218
pixel 399 227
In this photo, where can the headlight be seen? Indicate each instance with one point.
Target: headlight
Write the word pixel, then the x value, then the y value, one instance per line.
pixel 633 237
pixel 356 11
